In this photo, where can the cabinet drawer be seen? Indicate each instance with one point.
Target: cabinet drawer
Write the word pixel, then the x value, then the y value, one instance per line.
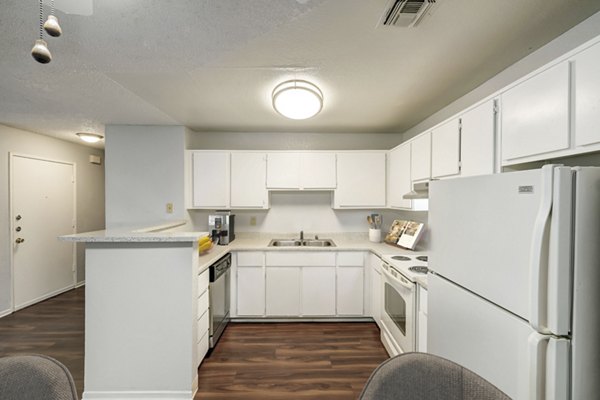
pixel 203 324
pixel 203 303
pixel 250 259
pixel 202 347
pixel 203 281
pixel 423 300
pixel 300 259
pixel 351 259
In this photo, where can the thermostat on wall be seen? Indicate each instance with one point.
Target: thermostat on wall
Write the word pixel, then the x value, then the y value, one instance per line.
pixel 95 159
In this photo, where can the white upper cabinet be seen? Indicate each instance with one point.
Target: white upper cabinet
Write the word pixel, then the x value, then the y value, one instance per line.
pixel 477 140
pixel 248 176
pixel 420 162
pixel 301 170
pixel 445 149
pixel 210 179
pixel 360 180
pixel 398 175
pixel 587 96
pixel 535 115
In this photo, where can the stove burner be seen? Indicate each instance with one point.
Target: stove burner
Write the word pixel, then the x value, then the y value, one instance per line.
pixel 422 258
pixel 401 258
pixel 419 269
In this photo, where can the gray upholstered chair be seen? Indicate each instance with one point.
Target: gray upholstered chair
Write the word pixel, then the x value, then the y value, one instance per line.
pixel 420 376
pixel 35 377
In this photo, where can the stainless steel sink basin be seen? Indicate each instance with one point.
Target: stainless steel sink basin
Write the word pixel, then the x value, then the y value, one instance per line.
pixel 299 243
pixel 318 243
pixel 285 243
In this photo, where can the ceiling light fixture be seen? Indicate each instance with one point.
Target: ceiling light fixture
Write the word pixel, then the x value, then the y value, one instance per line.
pixel 89 137
pixel 297 99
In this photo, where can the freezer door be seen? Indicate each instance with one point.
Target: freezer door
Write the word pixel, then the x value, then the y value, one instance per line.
pixel 497 345
pixel 497 235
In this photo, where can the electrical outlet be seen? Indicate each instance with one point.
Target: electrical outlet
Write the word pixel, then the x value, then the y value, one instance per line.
pixel 169 208
pixel 253 221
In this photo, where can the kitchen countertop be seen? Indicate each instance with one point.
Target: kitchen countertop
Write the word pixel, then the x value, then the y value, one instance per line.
pixel 343 242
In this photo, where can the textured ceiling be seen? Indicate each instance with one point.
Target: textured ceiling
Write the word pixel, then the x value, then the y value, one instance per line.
pixel 211 64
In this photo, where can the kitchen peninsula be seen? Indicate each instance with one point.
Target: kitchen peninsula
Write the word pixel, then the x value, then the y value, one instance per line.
pixel 141 327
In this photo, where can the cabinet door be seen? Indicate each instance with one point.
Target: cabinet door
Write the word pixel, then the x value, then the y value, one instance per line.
pixel 420 160
pixel 445 149
pixel 350 290
pixel 250 291
pixel 317 171
pixel 399 182
pixel 283 291
pixel 210 177
pixel 477 140
pixel 587 96
pixel 248 175
pixel 360 180
pixel 318 291
pixel 535 114
pixel 283 170
pixel 376 295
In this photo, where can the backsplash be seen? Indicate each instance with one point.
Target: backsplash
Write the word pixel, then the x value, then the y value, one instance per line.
pixel 310 212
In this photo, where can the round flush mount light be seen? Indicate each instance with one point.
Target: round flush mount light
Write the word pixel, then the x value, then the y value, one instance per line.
pixel 297 99
pixel 89 137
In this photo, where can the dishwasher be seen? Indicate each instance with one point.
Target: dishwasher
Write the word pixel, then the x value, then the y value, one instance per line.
pixel 219 294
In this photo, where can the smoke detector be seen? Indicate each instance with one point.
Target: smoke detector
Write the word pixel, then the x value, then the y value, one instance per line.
pixel 405 13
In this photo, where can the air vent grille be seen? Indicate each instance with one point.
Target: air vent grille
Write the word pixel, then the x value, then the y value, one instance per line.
pixel 405 13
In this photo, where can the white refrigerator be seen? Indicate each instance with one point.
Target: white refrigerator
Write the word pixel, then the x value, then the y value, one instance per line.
pixel 514 293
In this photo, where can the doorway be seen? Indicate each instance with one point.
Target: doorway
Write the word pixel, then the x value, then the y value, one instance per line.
pixel 42 207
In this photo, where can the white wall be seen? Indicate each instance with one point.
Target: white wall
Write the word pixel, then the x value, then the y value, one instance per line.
pixel 90 192
pixel 144 172
pixel 585 31
pixel 292 141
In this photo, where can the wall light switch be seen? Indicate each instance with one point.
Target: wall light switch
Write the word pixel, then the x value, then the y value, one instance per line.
pixel 169 208
pixel 252 221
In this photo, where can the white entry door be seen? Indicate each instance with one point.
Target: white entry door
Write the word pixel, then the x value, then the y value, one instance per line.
pixel 42 208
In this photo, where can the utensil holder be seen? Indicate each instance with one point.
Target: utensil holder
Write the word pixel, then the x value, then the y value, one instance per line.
pixel 375 235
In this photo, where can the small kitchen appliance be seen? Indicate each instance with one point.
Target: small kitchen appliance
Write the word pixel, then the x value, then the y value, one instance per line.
pixel 222 225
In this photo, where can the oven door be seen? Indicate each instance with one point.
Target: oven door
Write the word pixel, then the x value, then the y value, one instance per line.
pixel 398 314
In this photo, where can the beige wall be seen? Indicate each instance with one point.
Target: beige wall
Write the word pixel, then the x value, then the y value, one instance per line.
pixel 90 193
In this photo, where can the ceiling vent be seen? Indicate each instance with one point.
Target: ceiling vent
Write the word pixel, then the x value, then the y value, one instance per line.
pixel 405 13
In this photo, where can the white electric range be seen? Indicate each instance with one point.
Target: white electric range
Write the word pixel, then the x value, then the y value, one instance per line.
pixel 400 275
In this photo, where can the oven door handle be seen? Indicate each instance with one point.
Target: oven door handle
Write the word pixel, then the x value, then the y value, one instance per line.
pixel 395 279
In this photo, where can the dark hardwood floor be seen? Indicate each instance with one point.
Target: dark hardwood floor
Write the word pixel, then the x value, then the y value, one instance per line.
pixel 291 361
pixel 251 361
pixel 53 327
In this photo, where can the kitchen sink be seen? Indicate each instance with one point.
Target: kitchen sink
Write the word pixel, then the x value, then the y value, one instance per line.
pixel 301 243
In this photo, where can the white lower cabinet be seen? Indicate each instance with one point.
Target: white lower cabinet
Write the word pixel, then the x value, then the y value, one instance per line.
pixel 375 270
pixel 202 316
pixel 318 291
pixel 350 283
pixel 283 291
pixel 250 291
pixel 422 320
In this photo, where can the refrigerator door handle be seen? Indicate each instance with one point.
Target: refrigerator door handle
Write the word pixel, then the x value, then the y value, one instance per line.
pixel 539 252
pixel 537 365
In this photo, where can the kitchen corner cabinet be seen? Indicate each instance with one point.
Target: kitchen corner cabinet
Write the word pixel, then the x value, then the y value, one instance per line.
pixel 420 159
pixel 535 115
pixel 210 179
pixel 361 179
pixel 587 96
pixel 477 136
pixel 248 175
pixel 301 170
pixel 398 176
pixel 445 149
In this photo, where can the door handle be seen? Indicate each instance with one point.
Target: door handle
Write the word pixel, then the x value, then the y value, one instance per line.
pixel 18 217
pixel 20 240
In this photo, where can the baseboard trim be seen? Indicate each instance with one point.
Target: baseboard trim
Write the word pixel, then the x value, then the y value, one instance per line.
pixel 302 319
pixel 45 297
pixel 5 313
pixel 79 284
pixel 138 395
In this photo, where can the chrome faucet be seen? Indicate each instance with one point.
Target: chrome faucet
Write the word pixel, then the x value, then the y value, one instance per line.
pixel 301 235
